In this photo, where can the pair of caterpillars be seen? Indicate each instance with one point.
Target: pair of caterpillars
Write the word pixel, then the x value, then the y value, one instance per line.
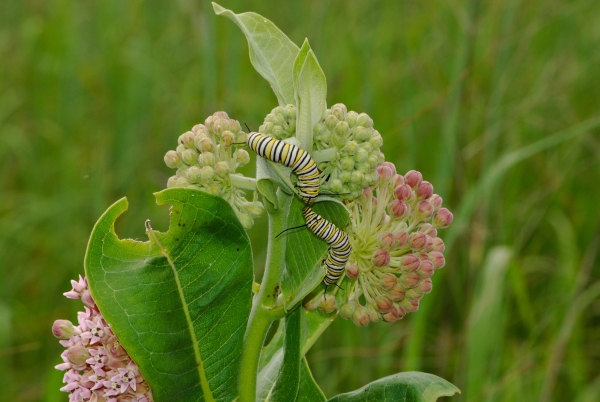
pixel 306 170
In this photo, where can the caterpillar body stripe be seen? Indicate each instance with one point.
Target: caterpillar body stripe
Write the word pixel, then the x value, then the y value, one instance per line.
pixel 293 157
pixel 339 244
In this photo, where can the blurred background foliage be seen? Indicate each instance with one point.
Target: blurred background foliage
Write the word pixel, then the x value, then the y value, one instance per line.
pixel 495 102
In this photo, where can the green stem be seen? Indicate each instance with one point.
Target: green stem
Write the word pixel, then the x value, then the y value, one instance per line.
pixel 265 309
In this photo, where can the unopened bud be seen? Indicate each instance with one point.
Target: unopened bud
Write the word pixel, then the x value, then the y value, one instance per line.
pixel 312 304
pixel 206 159
pixel 410 263
pixel 206 174
pixel 241 138
pixel 388 281
pixel 418 240
pixel 424 210
pixel 376 140
pixel 413 178
pixel 77 355
pixel 399 209
pixel 390 316
pixel 182 182
pixel 429 246
pixel 63 329
pixel 194 174
pixel 337 186
pixel 220 126
pixel 414 294
pixel 427 228
pixel 397 180
pixel 351 119
pixel 200 129
pixel 410 306
pixel 397 293
pixel 381 258
pixel 436 201
pixel 410 279
pixel 360 317
pixel 339 110
pixel 187 139
pixel 228 138
pixel 426 269
pixel 189 156
pixel 342 129
pixel 327 304
pixel 242 157
pixel 363 167
pixel 374 315
pixel 374 159
pixel 330 122
pixel 424 190
pixel 442 218
pixel 401 238
pixel 172 159
pixel 384 304
pixel 425 286
pixel 172 182
pixel 438 245
pixel 357 177
pixel 347 163
pixel 222 169
pixel 384 174
pixel 347 310
pixel 352 271
pixel 437 259
pixel 364 120
pixel 386 240
pixel 204 144
pixel 350 148
pixel 246 220
pixel 255 209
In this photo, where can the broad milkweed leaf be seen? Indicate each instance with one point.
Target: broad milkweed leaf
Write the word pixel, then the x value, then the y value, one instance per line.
pixel 272 53
pixel 178 303
pixel 310 89
pixel 411 386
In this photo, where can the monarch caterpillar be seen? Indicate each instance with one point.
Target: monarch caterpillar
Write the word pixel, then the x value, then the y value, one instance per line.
pixel 339 245
pixel 291 156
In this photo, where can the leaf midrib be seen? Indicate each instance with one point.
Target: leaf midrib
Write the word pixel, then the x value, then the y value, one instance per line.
pixel 208 396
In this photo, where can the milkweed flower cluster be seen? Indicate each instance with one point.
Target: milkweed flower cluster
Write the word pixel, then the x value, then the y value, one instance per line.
pixel 206 159
pixel 395 247
pixel 96 366
pixel 357 144
pixel 280 123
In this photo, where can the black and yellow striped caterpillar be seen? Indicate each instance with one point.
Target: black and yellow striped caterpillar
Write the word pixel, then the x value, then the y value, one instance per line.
pixel 291 156
pixel 339 244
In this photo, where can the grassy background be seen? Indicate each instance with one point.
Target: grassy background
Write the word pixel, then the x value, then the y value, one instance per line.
pixel 495 102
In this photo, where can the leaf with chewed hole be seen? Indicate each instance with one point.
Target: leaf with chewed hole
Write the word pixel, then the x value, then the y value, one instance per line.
pixel 178 303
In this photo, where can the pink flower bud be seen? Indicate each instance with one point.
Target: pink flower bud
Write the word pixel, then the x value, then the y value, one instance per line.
pixel 414 294
pixel 200 129
pixel 418 240
pixel 403 192
pixel 399 209
pixel 374 315
pixel 352 271
pixel 429 246
pixel 391 316
pixel 410 279
pixel 424 210
pixel 77 355
pixel 347 310
pixel 374 201
pixel 367 192
pixel 401 238
pixel 397 180
pixel 425 286
pixel 386 240
pixel 425 190
pixel 360 317
pixel 381 258
pixel 397 293
pixel 384 174
pixel 410 263
pixel 63 329
pixel 384 304
pixel 391 166
pixel 409 306
pixel 438 245
pixel 442 218
pixel 413 178
pixel 426 270
pixel 327 304
pixel 400 312
pixel 427 228
pixel 436 201
pixel 388 281
pixel 437 258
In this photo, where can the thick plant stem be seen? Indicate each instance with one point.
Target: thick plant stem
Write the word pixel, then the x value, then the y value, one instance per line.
pixel 264 303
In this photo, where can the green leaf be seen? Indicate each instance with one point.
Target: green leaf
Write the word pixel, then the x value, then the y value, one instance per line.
pixel 286 377
pixel 272 53
pixel 178 303
pixel 310 89
pixel 305 251
pixel 411 386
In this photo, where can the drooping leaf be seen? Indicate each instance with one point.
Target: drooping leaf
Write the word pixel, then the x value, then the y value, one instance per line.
pixel 310 88
pixel 272 53
pixel 305 251
pixel 178 303
pixel 411 386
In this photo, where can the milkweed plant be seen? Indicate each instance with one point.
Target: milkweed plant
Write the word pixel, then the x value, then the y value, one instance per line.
pixel 182 316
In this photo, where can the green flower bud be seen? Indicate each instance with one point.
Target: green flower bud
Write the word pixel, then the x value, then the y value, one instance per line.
pixel 373 160
pixel 234 126
pixel 204 144
pixel 255 209
pixel 364 120
pixel 376 139
pixel 241 138
pixel 358 177
pixel 350 148
pixel 361 155
pixel 194 174
pixel 242 157
pixel 189 156
pixel 187 139
pixel 336 186
pixel 361 133
pixel 339 110
pixel 172 182
pixel 182 182
pixel 277 131
pixel 220 126
pixel 360 317
pixel 347 310
pixel 330 122
pixel 180 148
pixel 345 176
pixel 200 129
pixel 172 159
pixel 266 128
pixel 214 189
pixel 206 159
pixel 363 167
pixel 227 138
pixel 352 119
pixel 222 169
pixel 207 174
pixel 328 304
pixel 246 220
pixel 342 129
pixel 290 112
pixel 347 163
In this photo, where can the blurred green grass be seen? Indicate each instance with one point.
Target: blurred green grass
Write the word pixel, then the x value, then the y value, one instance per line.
pixel 497 103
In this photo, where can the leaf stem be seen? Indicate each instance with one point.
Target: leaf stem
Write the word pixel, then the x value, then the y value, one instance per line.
pixel 265 304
